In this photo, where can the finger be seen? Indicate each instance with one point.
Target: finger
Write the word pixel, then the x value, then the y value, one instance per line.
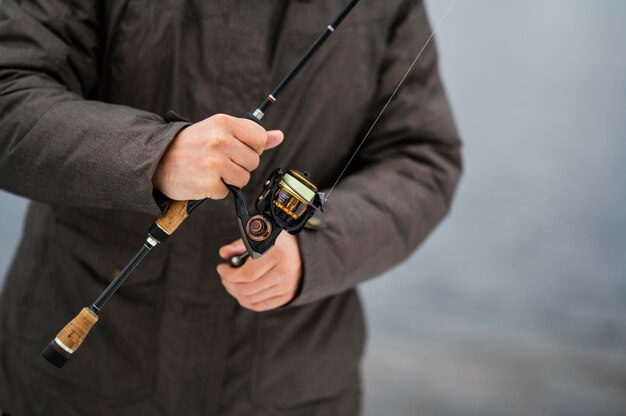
pixel 244 156
pixel 268 280
pixel 237 248
pixel 249 272
pixel 274 138
pixel 265 287
pixel 265 294
pixel 233 249
pixel 249 133
pixel 269 304
pixel 235 175
pixel 215 189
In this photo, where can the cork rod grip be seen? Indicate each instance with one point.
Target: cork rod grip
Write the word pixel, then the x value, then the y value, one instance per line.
pixel 175 215
pixel 77 329
pixel 70 338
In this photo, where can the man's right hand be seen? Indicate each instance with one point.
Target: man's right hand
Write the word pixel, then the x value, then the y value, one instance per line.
pixel 219 148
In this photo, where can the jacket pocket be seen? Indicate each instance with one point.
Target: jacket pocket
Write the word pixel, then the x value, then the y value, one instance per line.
pixel 308 354
pixel 116 363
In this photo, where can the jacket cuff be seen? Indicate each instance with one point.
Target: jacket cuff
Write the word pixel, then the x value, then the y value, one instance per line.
pixel 322 263
pixel 154 202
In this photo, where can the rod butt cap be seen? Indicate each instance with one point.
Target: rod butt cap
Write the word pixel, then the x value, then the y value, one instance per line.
pixel 54 356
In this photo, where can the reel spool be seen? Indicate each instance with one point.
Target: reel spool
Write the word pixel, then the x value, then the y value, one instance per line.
pixel 286 203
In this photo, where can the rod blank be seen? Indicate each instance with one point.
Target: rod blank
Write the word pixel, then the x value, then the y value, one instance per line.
pixel 271 99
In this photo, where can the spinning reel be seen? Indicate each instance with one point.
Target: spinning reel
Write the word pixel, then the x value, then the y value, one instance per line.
pixel 286 203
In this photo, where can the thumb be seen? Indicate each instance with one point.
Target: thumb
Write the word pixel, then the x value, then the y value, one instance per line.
pixel 274 138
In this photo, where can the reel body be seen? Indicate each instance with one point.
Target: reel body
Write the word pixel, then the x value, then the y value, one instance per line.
pixel 286 203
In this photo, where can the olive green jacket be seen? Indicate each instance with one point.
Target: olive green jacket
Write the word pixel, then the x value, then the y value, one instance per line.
pixel 83 87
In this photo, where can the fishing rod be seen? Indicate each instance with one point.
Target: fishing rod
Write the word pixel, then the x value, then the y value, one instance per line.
pixel 287 201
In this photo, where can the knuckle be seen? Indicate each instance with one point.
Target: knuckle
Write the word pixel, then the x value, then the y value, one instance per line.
pixel 218 141
pixel 214 164
pixel 220 118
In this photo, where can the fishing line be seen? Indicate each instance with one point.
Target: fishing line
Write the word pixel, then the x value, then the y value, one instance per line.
pixel 390 99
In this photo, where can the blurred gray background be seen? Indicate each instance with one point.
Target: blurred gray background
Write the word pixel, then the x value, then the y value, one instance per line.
pixel 516 305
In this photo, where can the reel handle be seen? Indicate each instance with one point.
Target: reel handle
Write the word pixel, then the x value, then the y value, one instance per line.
pixel 239 260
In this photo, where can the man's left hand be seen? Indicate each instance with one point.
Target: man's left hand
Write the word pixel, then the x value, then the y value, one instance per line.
pixel 267 283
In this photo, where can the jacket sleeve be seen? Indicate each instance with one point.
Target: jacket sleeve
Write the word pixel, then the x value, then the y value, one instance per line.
pixel 56 146
pixel 401 182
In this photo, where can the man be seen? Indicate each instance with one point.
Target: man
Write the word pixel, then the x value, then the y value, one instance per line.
pixel 82 88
